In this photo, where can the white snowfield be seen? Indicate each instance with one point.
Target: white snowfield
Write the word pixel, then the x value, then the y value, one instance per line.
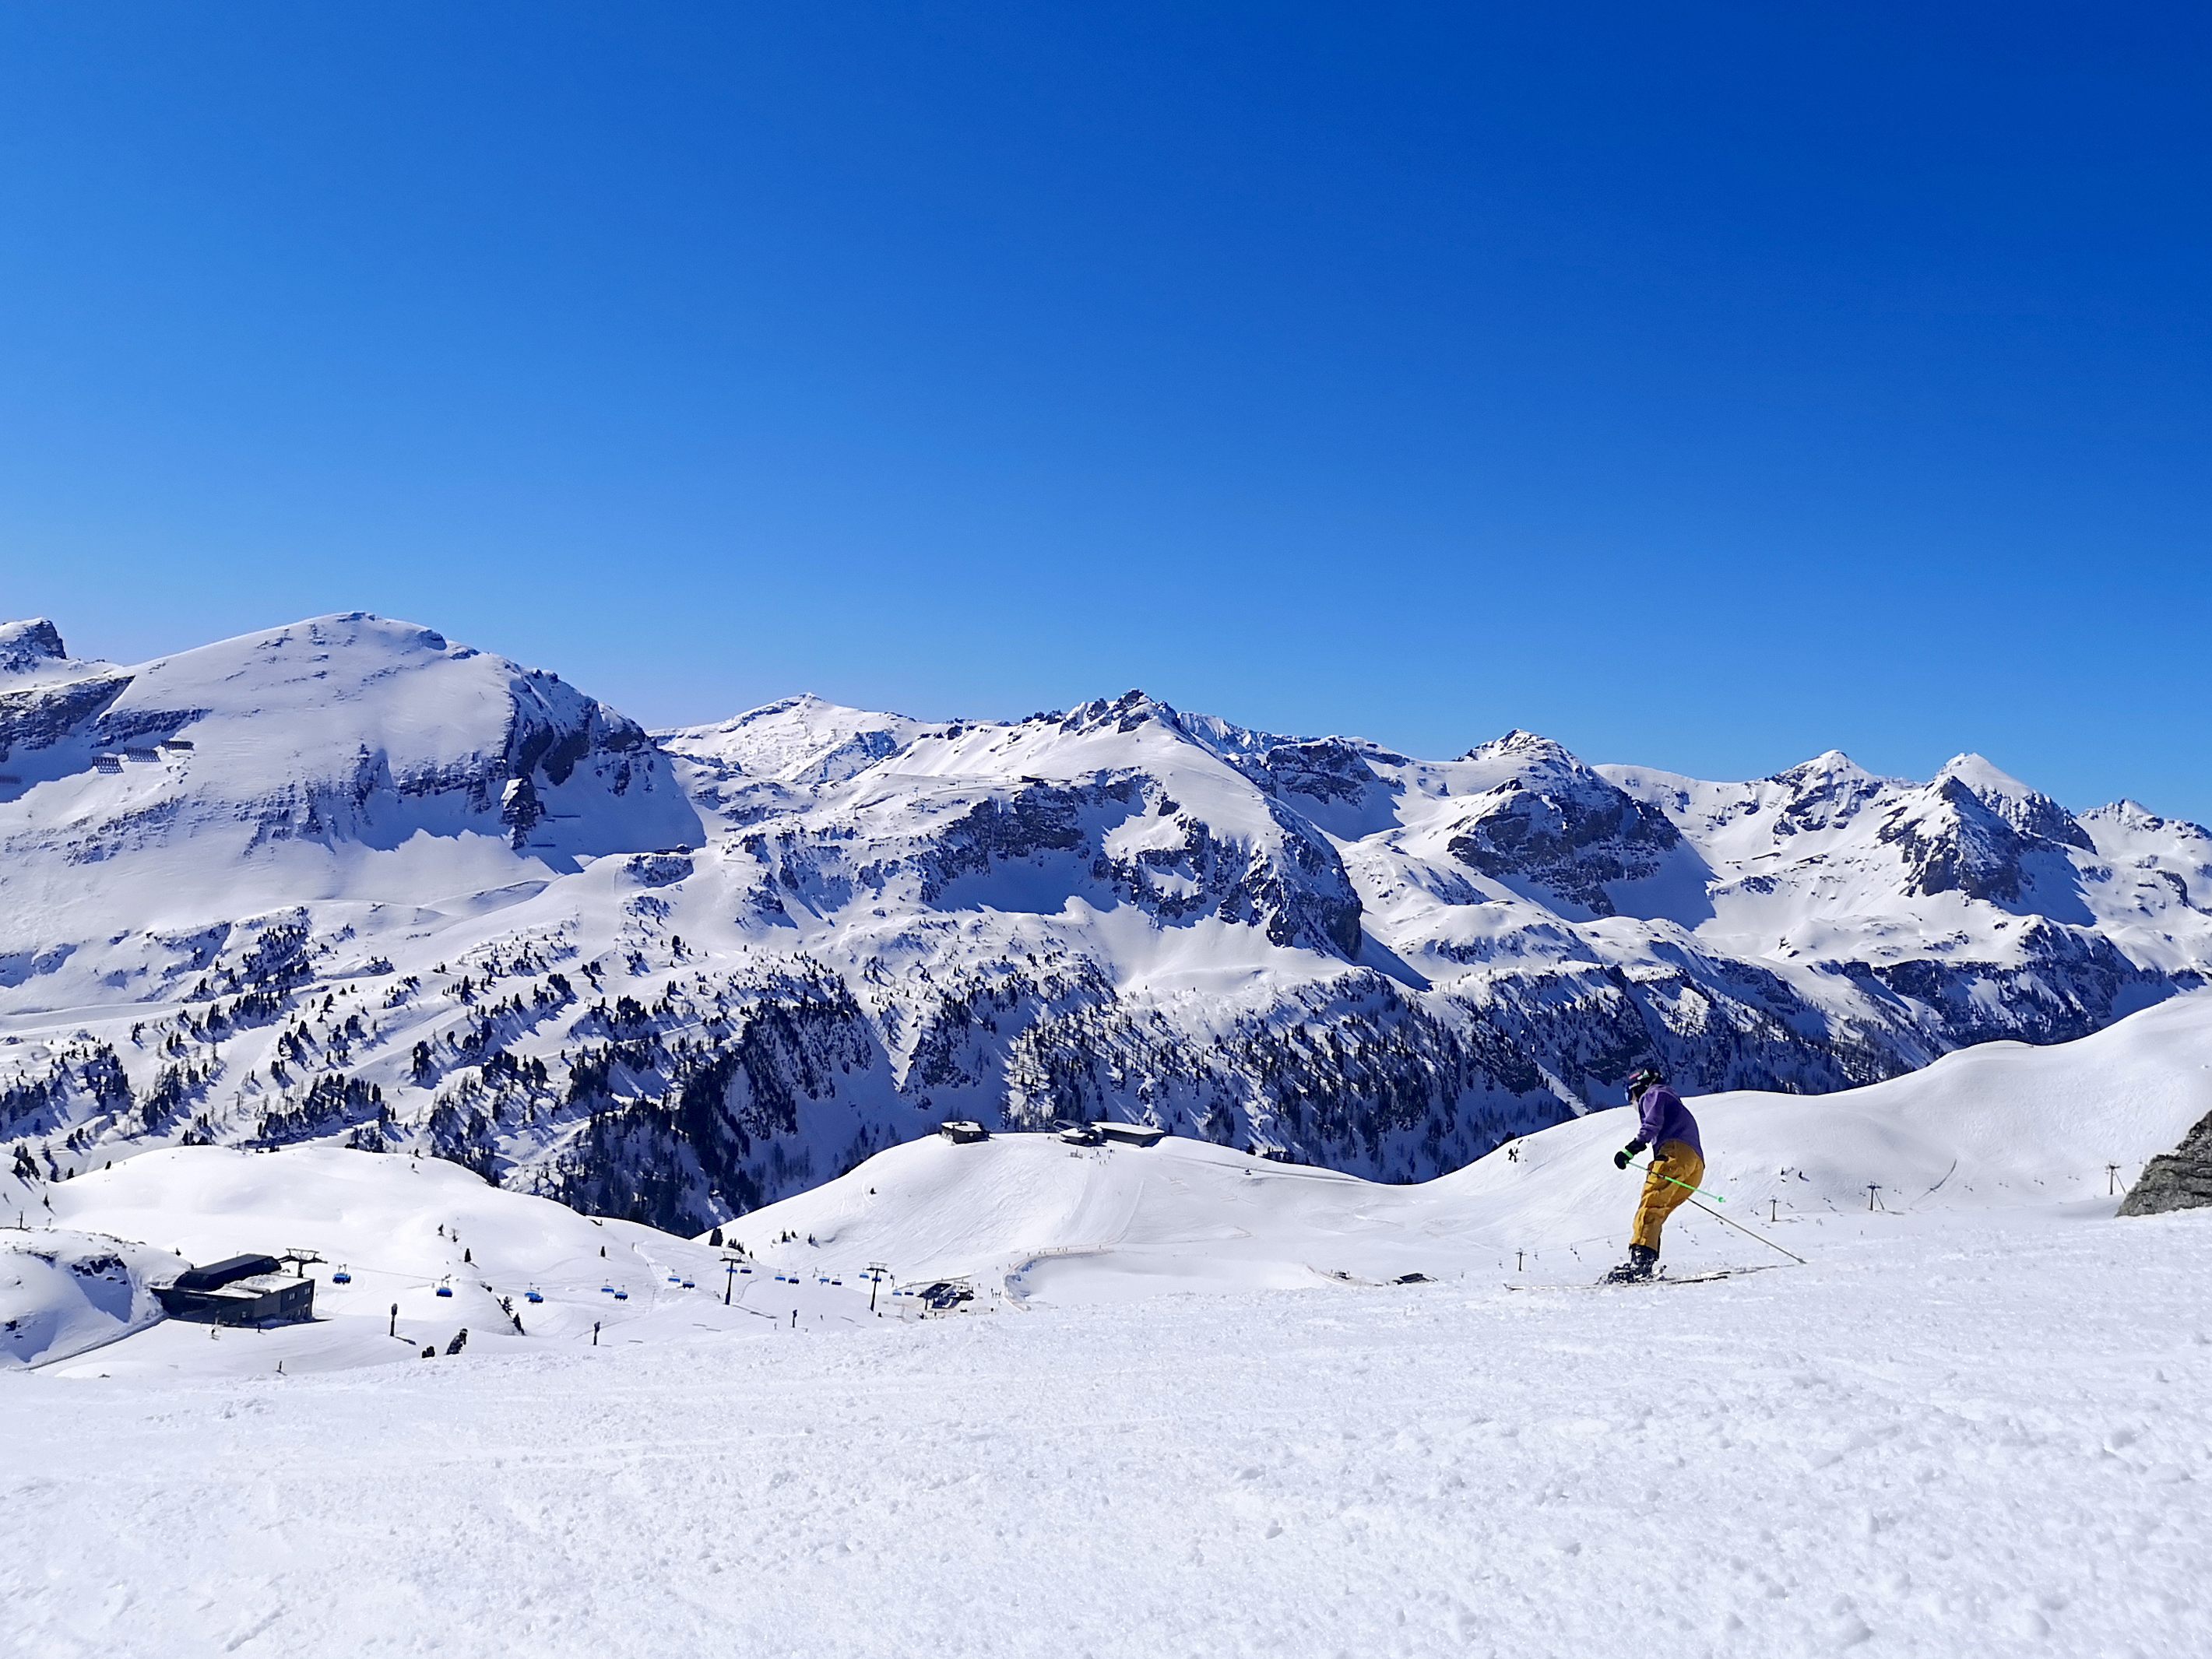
pixel 1977 1422
pixel 63 1292
pixel 2001 1126
pixel 428 1250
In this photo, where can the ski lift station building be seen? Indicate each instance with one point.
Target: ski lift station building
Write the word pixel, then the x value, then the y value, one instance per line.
pixel 239 1290
pixel 1130 1134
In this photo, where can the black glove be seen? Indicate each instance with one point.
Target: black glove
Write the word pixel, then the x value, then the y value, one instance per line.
pixel 1620 1158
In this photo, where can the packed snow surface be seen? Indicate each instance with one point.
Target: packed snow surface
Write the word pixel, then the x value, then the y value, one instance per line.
pixel 1985 1434
pixel 428 1249
pixel 1978 1420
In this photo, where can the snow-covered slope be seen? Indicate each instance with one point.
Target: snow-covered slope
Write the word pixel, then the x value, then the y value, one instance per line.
pixel 344 758
pixel 2031 1135
pixel 428 1249
pixel 2004 1125
pixel 64 1292
pixel 1978 1421
pixel 346 882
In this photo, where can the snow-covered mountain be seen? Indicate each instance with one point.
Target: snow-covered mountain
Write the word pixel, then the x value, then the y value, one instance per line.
pixel 343 881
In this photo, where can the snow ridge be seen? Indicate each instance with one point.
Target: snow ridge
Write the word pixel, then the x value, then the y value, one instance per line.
pixel 347 882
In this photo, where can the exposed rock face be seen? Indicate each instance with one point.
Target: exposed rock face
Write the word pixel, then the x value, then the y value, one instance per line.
pixel 1559 825
pixel 1954 843
pixel 43 716
pixel 2030 811
pixel 2179 1180
pixel 25 646
pixel 1327 769
pixel 1975 831
pixel 1827 792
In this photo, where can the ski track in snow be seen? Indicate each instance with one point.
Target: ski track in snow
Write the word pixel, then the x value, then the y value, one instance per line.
pixel 1956 1435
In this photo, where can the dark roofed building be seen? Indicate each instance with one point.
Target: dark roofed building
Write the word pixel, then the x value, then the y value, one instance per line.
pixel 1130 1134
pixel 239 1290
pixel 228 1271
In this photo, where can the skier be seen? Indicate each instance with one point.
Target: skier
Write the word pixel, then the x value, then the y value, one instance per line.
pixel 1665 1125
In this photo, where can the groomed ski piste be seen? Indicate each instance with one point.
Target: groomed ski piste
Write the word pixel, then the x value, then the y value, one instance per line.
pixel 1199 1402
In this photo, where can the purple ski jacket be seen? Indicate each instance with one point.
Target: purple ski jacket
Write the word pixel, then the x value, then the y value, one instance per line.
pixel 1664 1118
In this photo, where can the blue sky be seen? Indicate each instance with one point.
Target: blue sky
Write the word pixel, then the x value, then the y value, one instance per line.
pixel 1703 386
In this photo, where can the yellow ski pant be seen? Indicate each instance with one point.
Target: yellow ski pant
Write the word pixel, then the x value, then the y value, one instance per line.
pixel 1661 1198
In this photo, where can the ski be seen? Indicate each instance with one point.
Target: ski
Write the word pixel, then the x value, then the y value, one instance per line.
pixel 1656 1278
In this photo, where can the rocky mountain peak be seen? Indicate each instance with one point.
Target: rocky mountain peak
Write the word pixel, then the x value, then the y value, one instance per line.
pixel 31 644
pixel 1952 841
pixel 1126 712
pixel 2133 815
pixel 2028 810
pixel 1826 790
pixel 1552 821
pixel 1831 766
pixel 1528 747
pixel 2127 812
pixel 1133 710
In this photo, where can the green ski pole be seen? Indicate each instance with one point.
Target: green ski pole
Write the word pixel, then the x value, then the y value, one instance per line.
pixel 1683 1185
pixel 1740 1228
pixel 1717 1216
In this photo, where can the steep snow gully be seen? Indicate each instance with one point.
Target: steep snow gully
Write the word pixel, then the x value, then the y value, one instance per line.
pixel 348 883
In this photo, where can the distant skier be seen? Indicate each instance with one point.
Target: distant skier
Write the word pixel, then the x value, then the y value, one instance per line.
pixel 1665 1125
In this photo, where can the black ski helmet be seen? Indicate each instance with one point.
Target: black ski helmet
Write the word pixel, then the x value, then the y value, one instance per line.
pixel 1641 1079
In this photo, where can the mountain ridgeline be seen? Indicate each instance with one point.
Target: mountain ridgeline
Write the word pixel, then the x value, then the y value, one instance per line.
pixel 345 881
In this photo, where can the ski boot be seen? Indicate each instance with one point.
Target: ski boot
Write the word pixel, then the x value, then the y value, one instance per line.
pixel 1643 1261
